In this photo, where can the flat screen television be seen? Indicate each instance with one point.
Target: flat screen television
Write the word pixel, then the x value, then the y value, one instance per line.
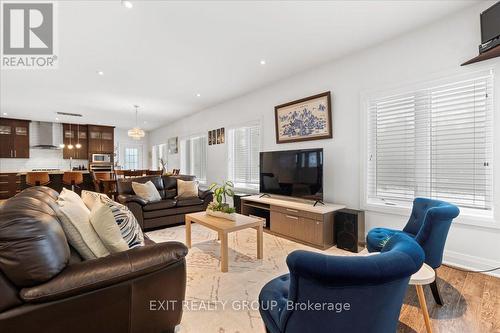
pixel 294 173
pixel 490 23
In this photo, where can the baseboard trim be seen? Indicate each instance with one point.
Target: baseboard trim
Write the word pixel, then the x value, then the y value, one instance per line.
pixel 474 263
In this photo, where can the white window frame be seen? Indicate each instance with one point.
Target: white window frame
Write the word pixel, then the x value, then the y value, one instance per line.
pixel 487 219
pixel 161 150
pixel 243 187
pixel 184 168
pixel 139 157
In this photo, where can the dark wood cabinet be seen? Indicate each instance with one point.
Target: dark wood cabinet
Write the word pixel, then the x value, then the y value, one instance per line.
pixel 101 139
pixel 15 138
pixel 9 185
pixel 74 134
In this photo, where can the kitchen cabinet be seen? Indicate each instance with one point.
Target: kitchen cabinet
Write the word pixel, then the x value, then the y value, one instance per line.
pixel 15 138
pixel 9 185
pixel 100 139
pixel 75 134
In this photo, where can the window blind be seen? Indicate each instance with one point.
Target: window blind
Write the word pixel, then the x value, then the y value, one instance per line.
pixel 434 142
pixel 243 156
pixel 194 157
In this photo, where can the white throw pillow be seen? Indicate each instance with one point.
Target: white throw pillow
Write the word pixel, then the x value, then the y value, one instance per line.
pixel 70 196
pixel 187 188
pixel 92 198
pixel 103 221
pixel 75 221
pixel 146 191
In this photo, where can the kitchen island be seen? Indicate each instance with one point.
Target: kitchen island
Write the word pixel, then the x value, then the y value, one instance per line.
pixel 13 182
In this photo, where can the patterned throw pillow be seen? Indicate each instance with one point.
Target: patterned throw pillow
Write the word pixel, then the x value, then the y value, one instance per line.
pixel 126 221
pixel 92 198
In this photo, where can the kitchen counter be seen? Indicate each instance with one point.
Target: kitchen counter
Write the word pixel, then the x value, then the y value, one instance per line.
pixel 53 172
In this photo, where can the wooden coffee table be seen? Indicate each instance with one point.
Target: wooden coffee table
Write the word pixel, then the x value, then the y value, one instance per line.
pixel 224 227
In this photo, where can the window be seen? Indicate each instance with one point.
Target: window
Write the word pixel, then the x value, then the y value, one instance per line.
pixel 194 157
pixel 159 152
pixel 434 142
pixel 243 156
pixel 131 158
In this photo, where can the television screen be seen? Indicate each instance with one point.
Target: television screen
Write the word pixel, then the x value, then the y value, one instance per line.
pixel 296 173
pixel 490 23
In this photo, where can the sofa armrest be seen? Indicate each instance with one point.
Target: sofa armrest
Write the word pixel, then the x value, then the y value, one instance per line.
pixel 126 198
pixel 203 194
pixel 99 273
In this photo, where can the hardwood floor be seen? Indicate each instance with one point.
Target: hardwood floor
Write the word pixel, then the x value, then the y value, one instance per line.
pixel 471 305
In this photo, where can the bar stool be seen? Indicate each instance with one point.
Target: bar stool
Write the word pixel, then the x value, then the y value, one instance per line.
pixel 73 178
pixel 37 178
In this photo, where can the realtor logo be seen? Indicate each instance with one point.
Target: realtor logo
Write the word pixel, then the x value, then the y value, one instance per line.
pixel 28 35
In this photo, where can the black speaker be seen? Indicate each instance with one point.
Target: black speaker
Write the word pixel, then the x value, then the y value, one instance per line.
pixel 237 201
pixel 349 229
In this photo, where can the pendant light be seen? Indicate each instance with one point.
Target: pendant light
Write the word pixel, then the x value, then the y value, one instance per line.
pixel 70 146
pixel 78 144
pixel 136 133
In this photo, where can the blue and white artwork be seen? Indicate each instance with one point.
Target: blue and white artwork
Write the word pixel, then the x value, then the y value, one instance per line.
pixel 307 119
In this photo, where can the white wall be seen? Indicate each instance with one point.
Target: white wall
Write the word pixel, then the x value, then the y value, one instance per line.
pixel 425 54
pixel 122 140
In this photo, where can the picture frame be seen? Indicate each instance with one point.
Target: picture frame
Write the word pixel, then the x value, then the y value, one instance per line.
pixel 210 138
pixel 218 136
pixel 222 135
pixel 173 145
pixel 305 119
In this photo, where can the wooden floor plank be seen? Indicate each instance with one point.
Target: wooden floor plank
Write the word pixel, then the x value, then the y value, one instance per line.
pixel 471 305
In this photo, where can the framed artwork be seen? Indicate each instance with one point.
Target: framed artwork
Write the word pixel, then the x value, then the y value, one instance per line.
pixel 218 135
pixel 305 119
pixel 222 135
pixel 173 145
pixel 209 138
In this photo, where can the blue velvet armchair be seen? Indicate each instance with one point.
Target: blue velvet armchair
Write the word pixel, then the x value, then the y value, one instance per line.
pixel 429 224
pixel 341 294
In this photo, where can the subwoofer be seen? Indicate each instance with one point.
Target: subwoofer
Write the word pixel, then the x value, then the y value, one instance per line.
pixel 349 229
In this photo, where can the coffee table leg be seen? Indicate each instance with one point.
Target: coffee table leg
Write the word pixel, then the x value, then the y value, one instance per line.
pixel 260 242
pixel 223 252
pixel 423 306
pixel 188 232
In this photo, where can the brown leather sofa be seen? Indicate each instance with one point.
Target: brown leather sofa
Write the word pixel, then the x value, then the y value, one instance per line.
pixel 170 209
pixel 46 287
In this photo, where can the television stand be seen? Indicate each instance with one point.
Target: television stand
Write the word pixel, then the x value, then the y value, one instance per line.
pixel 318 202
pixel 296 220
pixel 264 195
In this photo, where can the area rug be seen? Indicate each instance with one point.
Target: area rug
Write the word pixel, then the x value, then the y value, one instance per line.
pixel 219 302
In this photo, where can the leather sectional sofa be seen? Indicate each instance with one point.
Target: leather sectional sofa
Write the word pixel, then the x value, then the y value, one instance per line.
pixel 168 211
pixel 45 286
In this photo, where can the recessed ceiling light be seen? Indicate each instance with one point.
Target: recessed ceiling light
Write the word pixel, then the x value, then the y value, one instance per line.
pixel 57 119
pixel 100 73
pixel 198 95
pixel 127 4
pixel 262 62
pixel 5 113
pixel 145 122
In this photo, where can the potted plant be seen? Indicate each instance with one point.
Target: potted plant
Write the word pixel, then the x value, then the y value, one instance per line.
pixel 219 207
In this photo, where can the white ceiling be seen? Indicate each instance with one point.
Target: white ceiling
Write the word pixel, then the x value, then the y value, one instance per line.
pixel 160 54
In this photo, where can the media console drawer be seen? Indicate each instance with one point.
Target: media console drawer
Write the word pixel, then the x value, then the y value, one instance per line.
pixel 297 212
pixel 297 227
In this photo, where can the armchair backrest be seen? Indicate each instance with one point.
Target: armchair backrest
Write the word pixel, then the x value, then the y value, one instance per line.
pixel 429 222
pixel 365 292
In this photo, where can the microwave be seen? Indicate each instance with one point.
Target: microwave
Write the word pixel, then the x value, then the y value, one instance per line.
pixel 101 158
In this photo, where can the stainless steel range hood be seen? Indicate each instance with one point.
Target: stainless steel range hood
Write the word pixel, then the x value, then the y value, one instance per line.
pixel 46 135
